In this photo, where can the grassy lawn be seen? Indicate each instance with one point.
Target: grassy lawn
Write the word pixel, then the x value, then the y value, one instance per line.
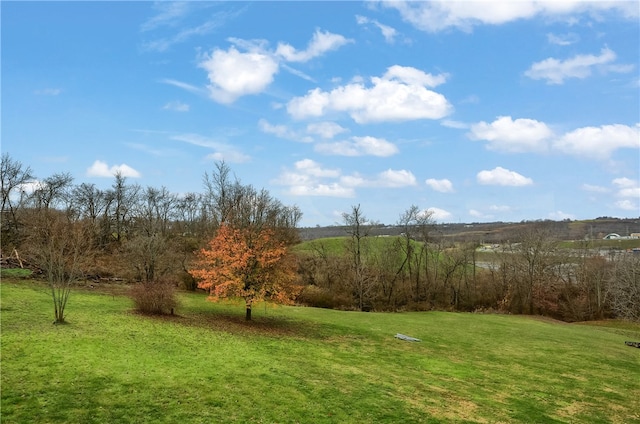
pixel 14 273
pixel 305 365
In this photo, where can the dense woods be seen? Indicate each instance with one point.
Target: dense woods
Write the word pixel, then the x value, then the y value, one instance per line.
pixel 234 240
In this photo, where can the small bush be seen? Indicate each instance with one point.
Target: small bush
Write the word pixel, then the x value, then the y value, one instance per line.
pixel 154 297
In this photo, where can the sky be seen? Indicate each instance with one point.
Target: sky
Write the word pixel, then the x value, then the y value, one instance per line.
pixel 475 111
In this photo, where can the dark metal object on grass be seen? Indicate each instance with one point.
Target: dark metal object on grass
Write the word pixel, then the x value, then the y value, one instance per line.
pixel 633 344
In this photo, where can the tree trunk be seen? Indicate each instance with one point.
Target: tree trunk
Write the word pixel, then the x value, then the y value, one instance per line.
pixel 248 315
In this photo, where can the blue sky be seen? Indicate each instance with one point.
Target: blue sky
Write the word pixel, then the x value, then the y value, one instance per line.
pixel 476 111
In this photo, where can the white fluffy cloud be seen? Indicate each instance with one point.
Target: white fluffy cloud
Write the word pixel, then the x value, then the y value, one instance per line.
pixel 401 94
pixel 359 146
pixel 502 177
pixel 440 215
pixel 325 129
pixel 599 142
pixel 322 42
pixel 624 193
pixel 443 186
pixel 555 71
pixel 390 178
pixel 233 74
pixel 434 16
pixel 396 178
pixel 354 146
pixel 515 136
pixel 627 205
pixel 309 178
pixel 101 169
pixel 627 188
pixel 283 131
pixel 528 135
pixel 313 168
pixel 628 193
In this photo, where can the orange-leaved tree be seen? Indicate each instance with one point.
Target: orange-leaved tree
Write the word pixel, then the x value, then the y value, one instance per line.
pixel 248 263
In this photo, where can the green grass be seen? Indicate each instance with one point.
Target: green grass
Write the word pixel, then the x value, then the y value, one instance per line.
pixel 333 246
pixel 15 273
pixel 336 246
pixel 305 365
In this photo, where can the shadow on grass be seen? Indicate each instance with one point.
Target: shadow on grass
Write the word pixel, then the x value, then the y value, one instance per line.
pixel 229 322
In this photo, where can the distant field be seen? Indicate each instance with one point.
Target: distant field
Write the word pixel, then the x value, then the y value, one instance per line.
pixel 336 246
pixel 332 245
pixel 294 364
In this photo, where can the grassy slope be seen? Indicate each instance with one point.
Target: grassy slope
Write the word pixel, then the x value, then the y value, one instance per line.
pixel 336 246
pixel 305 365
pixel 333 246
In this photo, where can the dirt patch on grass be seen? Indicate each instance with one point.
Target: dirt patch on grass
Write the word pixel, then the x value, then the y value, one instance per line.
pixel 456 409
pixel 574 409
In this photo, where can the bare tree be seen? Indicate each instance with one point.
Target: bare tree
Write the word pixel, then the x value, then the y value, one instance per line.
pixel 392 271
pixel 13 178
pixel 151 255
pixel 148 246
pixel 188 210
pixel 122 198
pixel 52 192
pixel 358 228
pixel 60 247
pixel 536 257
pixel 591 276
pixel 88 201
pixel 417 225
pixel 453 266
pixel 220 192
pixel 243 206
pixel 625 287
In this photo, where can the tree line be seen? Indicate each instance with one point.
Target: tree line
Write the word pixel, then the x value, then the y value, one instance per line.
pixel 233 239
pixel 422 270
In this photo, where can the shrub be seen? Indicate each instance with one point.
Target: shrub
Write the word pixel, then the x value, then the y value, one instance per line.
pixel 154 297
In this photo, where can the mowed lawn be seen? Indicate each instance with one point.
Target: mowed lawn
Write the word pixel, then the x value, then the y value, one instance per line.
pixel 306 365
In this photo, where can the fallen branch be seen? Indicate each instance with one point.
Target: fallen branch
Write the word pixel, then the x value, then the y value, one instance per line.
pixel 18 258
